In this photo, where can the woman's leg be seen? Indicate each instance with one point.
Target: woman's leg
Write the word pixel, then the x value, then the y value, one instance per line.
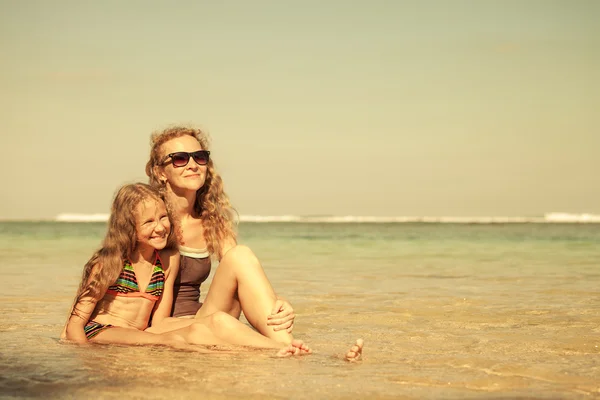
pixel 222 328
pixel 240 282
pixel 217 329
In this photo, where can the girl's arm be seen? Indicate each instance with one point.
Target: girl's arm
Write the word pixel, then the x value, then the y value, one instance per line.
pixel 79 317
pixel 162 308
pixel 81 313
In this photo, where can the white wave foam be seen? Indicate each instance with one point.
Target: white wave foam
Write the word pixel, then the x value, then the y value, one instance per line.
pixel 566 217
pixel 263 218
pixel 81 217
pixel 547 218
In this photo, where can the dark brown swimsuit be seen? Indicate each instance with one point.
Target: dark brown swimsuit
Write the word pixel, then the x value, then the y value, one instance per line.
pixel 194 268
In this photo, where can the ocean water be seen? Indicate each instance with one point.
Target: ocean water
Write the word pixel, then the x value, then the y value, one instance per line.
pixel 447 311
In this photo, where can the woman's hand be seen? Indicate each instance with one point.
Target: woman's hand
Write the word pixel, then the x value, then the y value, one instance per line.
pixel 282 316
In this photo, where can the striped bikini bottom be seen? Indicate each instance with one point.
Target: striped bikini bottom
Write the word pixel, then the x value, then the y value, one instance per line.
pixel 92 328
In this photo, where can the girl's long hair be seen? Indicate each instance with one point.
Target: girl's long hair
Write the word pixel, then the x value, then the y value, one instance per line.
pixel 104 267
pixel 212 204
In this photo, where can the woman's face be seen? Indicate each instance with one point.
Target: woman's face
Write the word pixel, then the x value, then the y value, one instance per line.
pixel 189 177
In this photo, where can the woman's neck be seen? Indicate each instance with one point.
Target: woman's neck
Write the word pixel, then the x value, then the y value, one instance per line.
pixel 183 203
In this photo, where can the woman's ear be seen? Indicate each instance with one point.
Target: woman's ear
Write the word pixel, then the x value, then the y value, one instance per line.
pixel 159 173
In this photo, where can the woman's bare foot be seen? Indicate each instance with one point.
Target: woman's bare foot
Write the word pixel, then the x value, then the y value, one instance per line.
pixel 296 348
pixel 355 352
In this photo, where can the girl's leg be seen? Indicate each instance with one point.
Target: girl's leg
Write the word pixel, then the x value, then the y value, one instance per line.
pixel 170 324
pixel 240 282
pixel 118 335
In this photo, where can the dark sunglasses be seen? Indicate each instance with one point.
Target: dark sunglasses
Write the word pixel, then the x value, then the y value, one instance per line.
pixel 181 158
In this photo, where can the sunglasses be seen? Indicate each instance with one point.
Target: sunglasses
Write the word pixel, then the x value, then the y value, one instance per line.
pixel 181 158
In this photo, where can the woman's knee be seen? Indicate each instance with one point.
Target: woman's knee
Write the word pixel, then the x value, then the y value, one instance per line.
pixel 221 320
pixel 240 254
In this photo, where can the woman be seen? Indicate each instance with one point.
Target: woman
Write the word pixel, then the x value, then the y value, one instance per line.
pixel 181 167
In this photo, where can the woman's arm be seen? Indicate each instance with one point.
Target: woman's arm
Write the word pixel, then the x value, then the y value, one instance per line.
pixel 162 308
pixel 282 316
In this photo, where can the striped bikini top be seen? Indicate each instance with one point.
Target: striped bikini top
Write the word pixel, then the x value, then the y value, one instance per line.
pixel 127 285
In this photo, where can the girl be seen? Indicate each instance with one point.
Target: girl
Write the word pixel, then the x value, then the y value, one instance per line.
pixel 129 282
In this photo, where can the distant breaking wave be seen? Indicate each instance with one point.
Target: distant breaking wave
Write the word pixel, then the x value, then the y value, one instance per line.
pixel 547 218
pixel 81 218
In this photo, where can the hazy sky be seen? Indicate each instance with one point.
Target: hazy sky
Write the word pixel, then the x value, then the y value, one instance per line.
pixel 383 108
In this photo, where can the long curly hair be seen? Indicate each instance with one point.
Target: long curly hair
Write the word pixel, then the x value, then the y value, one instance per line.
pixel 104 267
pixel 212 204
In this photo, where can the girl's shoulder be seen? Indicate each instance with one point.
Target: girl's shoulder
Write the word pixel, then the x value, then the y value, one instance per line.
pixel 169 258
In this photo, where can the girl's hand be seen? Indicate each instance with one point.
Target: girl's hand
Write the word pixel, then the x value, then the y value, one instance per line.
pixel 282 316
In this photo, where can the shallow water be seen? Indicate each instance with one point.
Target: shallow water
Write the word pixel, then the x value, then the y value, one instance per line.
pixel 447 311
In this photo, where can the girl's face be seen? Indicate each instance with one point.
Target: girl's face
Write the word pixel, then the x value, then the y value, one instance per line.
pixel 189 177
pixel 152 224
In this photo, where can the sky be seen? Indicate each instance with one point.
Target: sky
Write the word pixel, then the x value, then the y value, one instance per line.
pixel 330 107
